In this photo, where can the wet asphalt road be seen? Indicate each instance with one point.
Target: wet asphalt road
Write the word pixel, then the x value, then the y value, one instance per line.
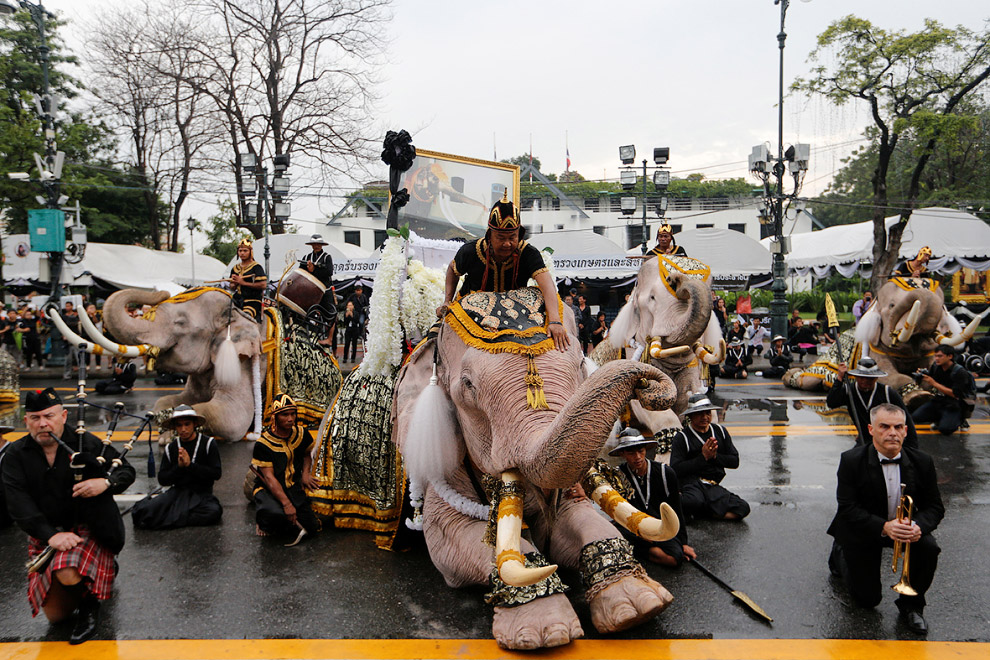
pixel 225 583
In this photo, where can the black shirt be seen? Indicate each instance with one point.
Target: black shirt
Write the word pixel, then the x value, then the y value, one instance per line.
pixel 285 456
pixel 322 266
pixel 470 262
pixel 658 485
pixel 677 252
pixel 252 272
pixel 847 395
pixel 360 302
pixel 690 464
pixel 956 378
pixel 202 471
pixel 39 496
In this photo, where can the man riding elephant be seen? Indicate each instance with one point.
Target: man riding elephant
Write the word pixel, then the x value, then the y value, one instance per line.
pixel 502 261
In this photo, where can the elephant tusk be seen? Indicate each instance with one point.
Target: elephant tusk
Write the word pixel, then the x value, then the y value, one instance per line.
pixel 624 513
pixel 68 334
pixel 707 356
pixel 965 335
pixel 112 347
pixel 910 322
pixel 657 352
pixel 509 560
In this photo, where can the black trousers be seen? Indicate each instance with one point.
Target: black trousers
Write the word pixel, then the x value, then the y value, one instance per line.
pixel 672 547
pixel 943 411
pixel 271 517
pixel 351 340
pixel 177 507
pixel 858 563
pixel 700 500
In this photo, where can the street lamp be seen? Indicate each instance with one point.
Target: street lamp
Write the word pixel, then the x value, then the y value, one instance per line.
pixel 278 189
pixel 765 167
pixel 191 223
pixel 628 178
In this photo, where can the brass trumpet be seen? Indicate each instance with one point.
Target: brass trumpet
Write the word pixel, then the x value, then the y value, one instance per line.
pixel 904 510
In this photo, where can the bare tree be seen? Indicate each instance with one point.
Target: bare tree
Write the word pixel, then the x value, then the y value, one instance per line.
pixel 290 77
pixel 166 121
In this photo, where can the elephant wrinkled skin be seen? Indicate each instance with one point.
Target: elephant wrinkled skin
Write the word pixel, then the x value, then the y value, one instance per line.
pixel 494 430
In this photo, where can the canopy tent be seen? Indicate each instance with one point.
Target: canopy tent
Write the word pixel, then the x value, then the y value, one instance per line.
pixel 121 266
pixel 957 239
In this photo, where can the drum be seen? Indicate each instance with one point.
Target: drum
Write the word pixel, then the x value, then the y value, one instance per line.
pixel 299 291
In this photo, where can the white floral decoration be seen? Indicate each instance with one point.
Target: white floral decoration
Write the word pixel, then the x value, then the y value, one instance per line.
pixel 548 262
pixel 422 293
pixel 384 346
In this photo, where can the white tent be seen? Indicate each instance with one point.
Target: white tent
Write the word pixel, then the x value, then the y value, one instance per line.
pixel 957 239
pixel 586 255
pixel 729 254
pixel 124 266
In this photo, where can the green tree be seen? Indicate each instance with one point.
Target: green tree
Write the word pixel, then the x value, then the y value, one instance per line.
pixel 915 85
pixel 108 194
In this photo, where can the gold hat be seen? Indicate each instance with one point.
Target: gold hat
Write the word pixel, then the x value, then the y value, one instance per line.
pixel 665 227
pixel 246 242
pixel 504 215
pixel 924 252
pixel 283 403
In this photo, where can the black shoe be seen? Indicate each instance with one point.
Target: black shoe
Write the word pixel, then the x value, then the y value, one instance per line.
pixel 915 622
pixel 87 618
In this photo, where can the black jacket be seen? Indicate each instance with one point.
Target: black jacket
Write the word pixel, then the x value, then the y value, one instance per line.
pixel 690 464
pixel 843 395
pixel 39 497
pixel 200 474
pixel 862 494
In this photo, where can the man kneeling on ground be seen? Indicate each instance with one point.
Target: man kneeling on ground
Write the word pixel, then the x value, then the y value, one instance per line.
pixel 282 459
pixel 653 483
pixel 190 466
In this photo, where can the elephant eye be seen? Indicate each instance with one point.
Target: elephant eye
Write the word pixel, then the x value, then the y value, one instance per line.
pixel 466 382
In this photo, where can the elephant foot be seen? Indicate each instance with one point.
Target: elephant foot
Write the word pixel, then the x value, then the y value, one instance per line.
pixel 540 623
pixel 627 603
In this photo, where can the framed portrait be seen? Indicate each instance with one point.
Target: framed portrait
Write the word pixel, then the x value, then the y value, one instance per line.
pixel 450 196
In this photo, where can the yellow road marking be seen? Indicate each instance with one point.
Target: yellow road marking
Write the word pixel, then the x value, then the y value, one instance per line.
pixel 133 389
pixel 477 649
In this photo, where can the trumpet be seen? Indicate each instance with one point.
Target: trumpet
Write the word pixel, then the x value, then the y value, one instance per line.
pixel 903 548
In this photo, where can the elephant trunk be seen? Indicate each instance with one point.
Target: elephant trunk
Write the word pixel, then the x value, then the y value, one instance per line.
pixel 695 308
pixel 122 325
pixel 562 456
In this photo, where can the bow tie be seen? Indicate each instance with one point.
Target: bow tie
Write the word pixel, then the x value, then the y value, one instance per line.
pixel 888 461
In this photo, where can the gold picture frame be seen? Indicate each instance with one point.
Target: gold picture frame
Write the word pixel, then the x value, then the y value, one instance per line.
pixel 450 196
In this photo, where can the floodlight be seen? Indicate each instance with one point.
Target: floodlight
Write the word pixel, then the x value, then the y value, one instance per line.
pixel 8 7
pixel 628 179
pixel 627 205
pixel 283 211
pixel 661 178
pixel 281 162
pixel 627 154
pixel 661 155
pixel 251 211
pixel 249 161
pixel 280 185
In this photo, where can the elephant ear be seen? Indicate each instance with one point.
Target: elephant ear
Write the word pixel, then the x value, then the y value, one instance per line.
pixel 624 326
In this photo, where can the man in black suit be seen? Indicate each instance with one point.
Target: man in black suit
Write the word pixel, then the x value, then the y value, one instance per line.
pixel 868 491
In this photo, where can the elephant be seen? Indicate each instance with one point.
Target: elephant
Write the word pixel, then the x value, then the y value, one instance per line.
pixel 189 334
pixel 472 422
pixel 900 330
pixel 669 314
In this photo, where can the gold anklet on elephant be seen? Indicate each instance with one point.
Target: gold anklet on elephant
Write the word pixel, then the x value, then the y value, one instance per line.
pixel 504 595
pixel 605 562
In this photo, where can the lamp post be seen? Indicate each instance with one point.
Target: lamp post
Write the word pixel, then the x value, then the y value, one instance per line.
pixel 764 167
pixel 278 190
pixel 191 223
pixel 627 178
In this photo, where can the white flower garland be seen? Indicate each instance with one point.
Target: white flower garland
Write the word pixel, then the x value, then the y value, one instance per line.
pixel 384 346
pixel 422 293
pixel 416 500
pixel 464 505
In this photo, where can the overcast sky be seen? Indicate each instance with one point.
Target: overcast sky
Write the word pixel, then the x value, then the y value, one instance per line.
pixel 699 76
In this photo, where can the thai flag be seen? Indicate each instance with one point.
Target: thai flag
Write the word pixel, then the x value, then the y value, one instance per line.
pixel 568 158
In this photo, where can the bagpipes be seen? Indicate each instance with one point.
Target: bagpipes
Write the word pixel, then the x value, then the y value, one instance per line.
pixel 84 464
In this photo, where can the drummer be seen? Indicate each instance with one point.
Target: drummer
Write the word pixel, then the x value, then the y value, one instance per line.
pixel 318 263
pixel 249 280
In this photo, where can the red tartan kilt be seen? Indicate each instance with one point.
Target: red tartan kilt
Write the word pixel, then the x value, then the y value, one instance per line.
pixel 92 560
